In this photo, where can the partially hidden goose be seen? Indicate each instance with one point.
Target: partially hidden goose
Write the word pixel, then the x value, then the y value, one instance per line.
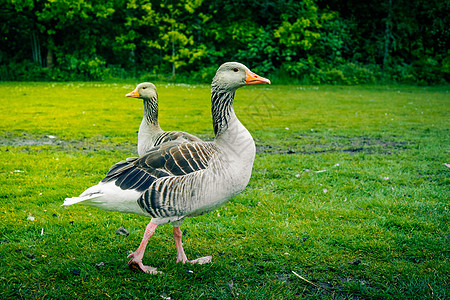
pixel 174 181
pixel 150 133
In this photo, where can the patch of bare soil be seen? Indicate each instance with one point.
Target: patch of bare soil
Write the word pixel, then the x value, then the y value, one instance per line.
pixel 26 142
pixel 303 144
pixel 313 144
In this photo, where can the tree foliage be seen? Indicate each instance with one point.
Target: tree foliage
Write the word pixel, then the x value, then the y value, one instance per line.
pixel 314 41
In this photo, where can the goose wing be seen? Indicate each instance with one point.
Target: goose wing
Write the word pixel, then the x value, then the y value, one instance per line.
pixel 168 159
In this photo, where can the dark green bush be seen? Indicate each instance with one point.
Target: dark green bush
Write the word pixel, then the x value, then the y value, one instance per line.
pixel 317 41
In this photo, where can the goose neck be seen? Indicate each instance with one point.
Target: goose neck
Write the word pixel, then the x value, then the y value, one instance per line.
pixel 150 111
pixel 221 109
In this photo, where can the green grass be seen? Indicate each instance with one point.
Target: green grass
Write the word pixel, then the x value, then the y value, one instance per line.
pixel 381 195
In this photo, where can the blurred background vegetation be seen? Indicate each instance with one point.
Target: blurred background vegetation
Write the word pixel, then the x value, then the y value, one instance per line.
pixel 306 41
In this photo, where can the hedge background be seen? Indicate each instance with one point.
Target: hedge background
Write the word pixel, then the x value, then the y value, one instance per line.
pixel 309 41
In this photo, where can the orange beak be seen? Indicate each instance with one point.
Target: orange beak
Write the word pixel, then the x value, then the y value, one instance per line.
pixel 252 78
pixel 134 94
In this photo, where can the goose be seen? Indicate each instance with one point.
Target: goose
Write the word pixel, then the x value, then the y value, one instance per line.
pixel 178 180
pixel 150 133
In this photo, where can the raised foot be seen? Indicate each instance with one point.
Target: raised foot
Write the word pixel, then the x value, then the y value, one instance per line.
pixel 201 260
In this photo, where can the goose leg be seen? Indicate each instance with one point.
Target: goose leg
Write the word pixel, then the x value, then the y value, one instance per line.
pixel 177 234
pixel 136 256
pixel 181 257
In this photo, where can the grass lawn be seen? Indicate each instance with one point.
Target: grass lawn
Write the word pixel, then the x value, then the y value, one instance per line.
pixel 350 190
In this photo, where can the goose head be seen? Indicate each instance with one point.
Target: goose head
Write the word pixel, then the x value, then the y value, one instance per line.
pixel 145 91
pixel 233 75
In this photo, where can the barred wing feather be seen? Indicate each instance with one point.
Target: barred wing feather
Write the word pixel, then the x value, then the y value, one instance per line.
pixel 169 159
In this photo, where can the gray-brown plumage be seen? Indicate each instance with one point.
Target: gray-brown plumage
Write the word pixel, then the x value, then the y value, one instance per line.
pixel 150 133
pixel 178 180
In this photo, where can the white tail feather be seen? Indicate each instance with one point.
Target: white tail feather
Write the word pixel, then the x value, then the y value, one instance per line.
pixel 74 200
pixel 108 196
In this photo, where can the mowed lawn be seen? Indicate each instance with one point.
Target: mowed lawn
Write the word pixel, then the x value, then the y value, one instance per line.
pixel 350 190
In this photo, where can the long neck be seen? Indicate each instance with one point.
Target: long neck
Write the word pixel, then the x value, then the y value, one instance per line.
pixel 149 127
pixel 151 111
pixel 234 140
pixel 221 109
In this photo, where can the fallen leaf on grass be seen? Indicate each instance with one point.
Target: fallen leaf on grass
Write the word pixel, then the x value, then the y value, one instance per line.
pixel 320 171
pixel 447 165
pixel 355 262
pixel 76 272
pixel 201 260
pixel 122 231
pixel 100 264
pixel 283 278
pixel 230 287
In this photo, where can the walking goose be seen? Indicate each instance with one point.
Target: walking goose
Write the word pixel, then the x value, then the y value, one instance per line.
pixel 150 133
pixel 174 181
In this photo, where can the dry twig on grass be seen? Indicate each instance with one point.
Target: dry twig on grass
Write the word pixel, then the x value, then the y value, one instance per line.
pixel 311 283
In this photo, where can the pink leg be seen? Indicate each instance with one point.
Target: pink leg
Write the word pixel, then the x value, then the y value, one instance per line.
pixel 177 234
pixel 181 257
pixel 136 257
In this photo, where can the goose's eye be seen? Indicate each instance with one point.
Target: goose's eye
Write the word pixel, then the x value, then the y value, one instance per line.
pixel 144 87
pixel 235 69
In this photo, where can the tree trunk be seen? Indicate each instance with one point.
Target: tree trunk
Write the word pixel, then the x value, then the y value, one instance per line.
pixel 173 59
pixel 50 58
pixel 36 48
pixel 387 36
pixel 173 49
